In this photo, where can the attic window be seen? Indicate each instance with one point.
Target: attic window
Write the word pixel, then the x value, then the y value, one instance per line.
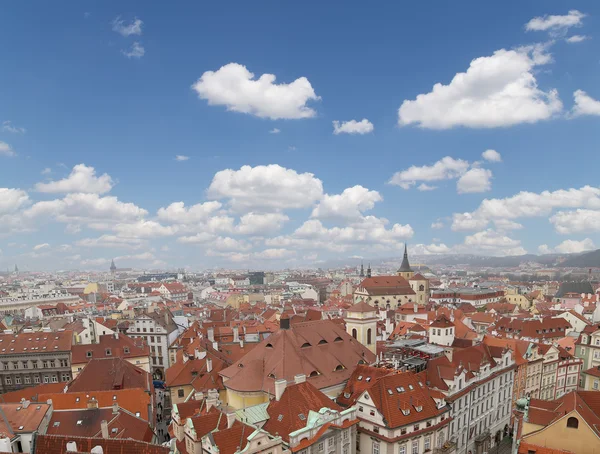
pixel 271 345
pixel 338 339
pixel 77 399
pixel 390 392
pixel 271 376
pixel 56 424
pixel 280 418
pixel 88 354
pixel 305 344
pixel 137 413
pixel 108 352
pixel 114 430
pixel 368 379
pixel 419 408
pixel 21 427
pixel 314 373
pixel 240 365
pixel 79 422
pixel 400 389
pixel 339 367
pixel 126 350
pixel 322 341
pixel 360 378
pixel 406 412
pixel 411 387
pixel 114 397
pixel 301 417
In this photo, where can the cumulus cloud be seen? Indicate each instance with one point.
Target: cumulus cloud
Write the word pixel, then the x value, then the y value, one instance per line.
pixel 199 238
pixel 491 156
pixel 527 204
pixel 491 242
pixel 135 51
pixel 274 254
pixel 429 249
pixel 555 23
pixel 584 104
pixel 573 246
pixel 39 247
pixel 350 204
pixel 261 223
pixel 475 180
pixel 264 188
pixel 6 149
pixel 111 241
pixel 353 127
pixel 444 169
pixel 234 87
pixel 178 213
pixel 12 199
pixel 544 249
pixel 496 91
pixel 127 29
pixel 426 187
pixel 81 179
pixel 577 221
pixel 7 126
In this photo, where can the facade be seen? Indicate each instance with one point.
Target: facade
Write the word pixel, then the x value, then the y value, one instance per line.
pixel 361 324
pixel 28 359
pixel 159 330
pixel 442 331
pixel 587 346
pixel 590 379
pixel 477 382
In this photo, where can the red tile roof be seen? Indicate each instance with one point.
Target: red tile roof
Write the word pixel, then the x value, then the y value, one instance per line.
pixel 387 285
pixel 23 417
pixel 35 343
pixel 110 374
pixel 290 413
pixel 123 347
pixel 362 378
pixel 57 444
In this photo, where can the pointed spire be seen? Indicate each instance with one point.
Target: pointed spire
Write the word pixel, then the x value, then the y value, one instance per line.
pixel 362 269
pixel 369 270
pixel 405 266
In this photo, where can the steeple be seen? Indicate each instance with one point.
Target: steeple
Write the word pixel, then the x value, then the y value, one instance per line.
pixel 362 270
pixel 113 267
pixel 405 270
pixel 369 270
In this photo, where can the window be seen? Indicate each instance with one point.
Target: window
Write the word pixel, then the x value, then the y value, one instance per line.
pixel 36 379
pixel 17 380
pixel 595 385
pixel 330 442
pixel 402 449
pixel 415 447
pixel 108 352
pixel 427 443
pixel 345 436
pixel 376 429
pixel 416 427
pixel 572 423
pixel 25 364
pixel 375 447
pixel 321 446
pixel 180 393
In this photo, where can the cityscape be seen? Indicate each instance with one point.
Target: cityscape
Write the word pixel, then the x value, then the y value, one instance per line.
pixel 300 228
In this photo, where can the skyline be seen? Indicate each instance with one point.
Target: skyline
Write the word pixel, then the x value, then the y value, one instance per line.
pixel 140 136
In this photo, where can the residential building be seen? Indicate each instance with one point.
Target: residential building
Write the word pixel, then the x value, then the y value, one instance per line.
pixel 135 351
pixel 477 382
pixel 29 358
pixel 590 379
pixel 20 421
pixel 60 444
pixel 587 346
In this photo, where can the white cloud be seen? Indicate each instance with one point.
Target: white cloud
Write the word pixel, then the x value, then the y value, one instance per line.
pixel 353 127
pixel 39 247
pixel 135 51
pixel 496 91
pixel 6 150
pixel 491 156
pixel 275 131
pixel 259 223
pixel 491 242
pixel 111 241
pixel 576 39
pixel 526 204
pixel 274 254
pixel 234 86
pixel 181 157
pixel 429 249
pixel 81 179
pixel 505 224
pixel 585 104
pixel 444 169
pixel 269 187
pixel 144 229
pixel 136 257
pixel 12 199
pixel 350 204
pixel 555 23
pixel 572 246
pixel 581 220
pixel 178 213
pixel 7 126
pixel 426 187
pixel 199 238
pixel 544 249
pixel 127 29
pixel 475 180
pixel 437 225
pixel 229 244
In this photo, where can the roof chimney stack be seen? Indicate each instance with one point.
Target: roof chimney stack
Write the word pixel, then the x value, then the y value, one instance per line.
pixel 280 388
pixel 104 428
pixel 208 365
pixel 211 334
pixel 300 378
pixel 230 419
pixel 236 334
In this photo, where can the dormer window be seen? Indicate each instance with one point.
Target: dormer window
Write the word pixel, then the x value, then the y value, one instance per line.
pixel 339 367
pixel 314 373
pixel 126 350
pixel 305 344
pixel 322 341
pixel 406 412
pixel 108 352
pixel 338 339
pixel 88 354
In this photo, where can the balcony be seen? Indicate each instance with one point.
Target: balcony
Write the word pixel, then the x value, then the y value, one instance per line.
pixel 449 447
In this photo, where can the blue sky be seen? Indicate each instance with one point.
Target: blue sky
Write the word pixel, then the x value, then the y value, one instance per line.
pixel 98 99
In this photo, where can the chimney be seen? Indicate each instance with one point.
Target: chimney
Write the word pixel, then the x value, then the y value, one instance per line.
pixel 26 403
pixel 416 307
pixel 92 403
pixel 211 399
pixel 448 353
pixel 215 345
pixel 199 354
pixel 115 408
pixel 117 334
pixel 236 334
pixel 280 388
pixel 104 428
pixel 198 396
pixel 211 334
pixel 300 378
pixel 230 419
pixel 72 446
pixel 241 344
pixel 208 365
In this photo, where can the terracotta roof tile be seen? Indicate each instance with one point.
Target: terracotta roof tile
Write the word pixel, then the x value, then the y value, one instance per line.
pixel 57 444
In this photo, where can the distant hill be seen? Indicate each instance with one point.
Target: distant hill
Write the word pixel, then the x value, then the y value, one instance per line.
pixel 586 260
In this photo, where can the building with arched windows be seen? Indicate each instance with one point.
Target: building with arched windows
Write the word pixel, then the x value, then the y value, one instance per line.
pixel 361 324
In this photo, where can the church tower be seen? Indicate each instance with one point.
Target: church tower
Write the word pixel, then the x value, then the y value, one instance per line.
pixel 405 270
pixel 113 267
pixel 361 324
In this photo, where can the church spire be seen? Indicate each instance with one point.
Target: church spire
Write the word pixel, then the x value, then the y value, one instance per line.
pixel 405 270
pixel 362 269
